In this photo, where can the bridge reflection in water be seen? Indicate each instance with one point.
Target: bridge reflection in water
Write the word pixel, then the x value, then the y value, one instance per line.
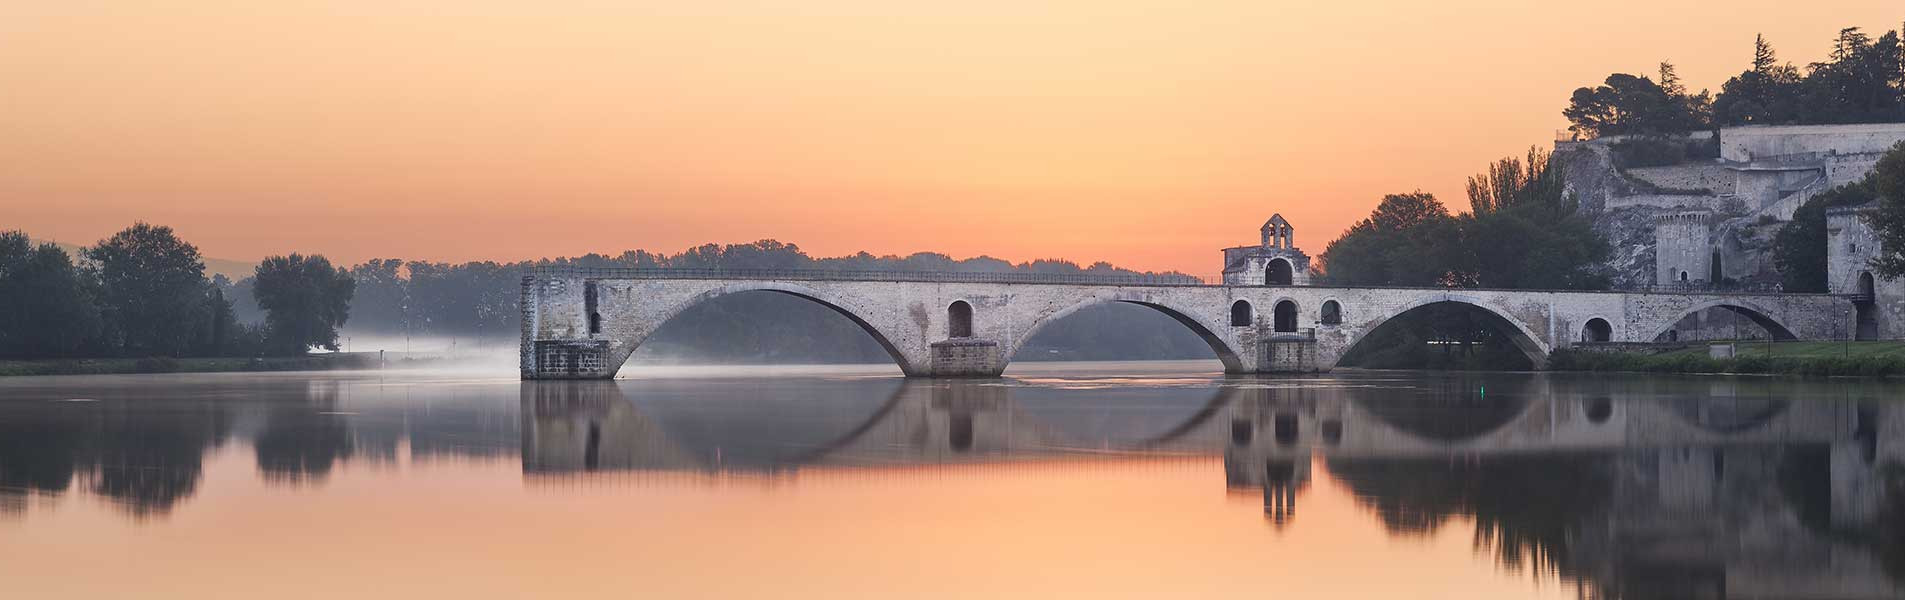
pixel 1682 487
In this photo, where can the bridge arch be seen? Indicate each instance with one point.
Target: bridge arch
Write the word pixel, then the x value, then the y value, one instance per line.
pixel 1757 315
pixel 1524 338
pixel 837 303
pixel 1206 330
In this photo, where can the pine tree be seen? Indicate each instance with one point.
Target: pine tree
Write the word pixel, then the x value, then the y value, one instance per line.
pixel 1763 58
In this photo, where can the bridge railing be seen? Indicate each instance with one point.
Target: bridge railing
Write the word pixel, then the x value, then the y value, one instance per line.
pixel 1159 279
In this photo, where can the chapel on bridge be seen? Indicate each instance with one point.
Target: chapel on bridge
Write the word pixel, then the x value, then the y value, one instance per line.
pixel 1274 261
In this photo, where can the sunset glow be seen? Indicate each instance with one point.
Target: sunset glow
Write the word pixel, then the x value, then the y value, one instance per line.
pixel 1137 132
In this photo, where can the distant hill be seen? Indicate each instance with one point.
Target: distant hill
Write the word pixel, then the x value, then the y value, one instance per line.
pixel 234 269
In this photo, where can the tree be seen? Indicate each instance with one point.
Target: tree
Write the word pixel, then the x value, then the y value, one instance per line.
pixel 152 290
pixel 1525 231
pixel 1409 239
pixel 1633 104
pixel 305 300
pixel 46 304
pixel 382 297
pixel 1888 184
pixel 1862 80
pixel 1800 248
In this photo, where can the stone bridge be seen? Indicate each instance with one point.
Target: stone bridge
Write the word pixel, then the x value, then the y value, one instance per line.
pixel 584 323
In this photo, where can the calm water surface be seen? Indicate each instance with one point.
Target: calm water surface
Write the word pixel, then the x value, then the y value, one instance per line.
pixel 1132 480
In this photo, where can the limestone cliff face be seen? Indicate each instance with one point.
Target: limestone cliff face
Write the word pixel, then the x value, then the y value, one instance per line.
pixel 1625 206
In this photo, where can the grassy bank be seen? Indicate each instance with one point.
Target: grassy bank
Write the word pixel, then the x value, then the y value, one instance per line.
pixel 160 364
pixel 1867 359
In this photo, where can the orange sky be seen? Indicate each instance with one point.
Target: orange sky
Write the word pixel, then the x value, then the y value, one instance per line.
pixel 1147 133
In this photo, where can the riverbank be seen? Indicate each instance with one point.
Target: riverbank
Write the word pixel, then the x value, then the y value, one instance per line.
pixel 109 366
pixel 1863 359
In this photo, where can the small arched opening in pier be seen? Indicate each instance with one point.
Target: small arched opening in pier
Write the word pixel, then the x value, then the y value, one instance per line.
pixel 1284 318
pixel 1597 330
pixel 959 319
pixel 1332 312
pixel 1447 332
pixel 1240 314
pixel 591 302
pixel 1279 272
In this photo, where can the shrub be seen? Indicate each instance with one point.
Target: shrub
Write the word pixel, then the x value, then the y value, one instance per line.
pixel 156 364
pixel 1649 152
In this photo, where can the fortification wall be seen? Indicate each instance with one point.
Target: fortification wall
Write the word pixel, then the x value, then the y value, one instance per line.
pixel 1672 201
pixel 1708 176
pixel 1744 144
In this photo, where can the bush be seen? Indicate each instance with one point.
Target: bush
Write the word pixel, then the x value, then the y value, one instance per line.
pixel 156 364
pixel 1833 366
pixel 1649 152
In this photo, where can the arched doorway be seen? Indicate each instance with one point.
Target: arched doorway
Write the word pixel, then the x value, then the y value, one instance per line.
pixel 1865 307
pixel 1285 317
pixel 1279 272
pixel 1332 313
pixel 1597 330
pixel 959 319
pixel 1240 314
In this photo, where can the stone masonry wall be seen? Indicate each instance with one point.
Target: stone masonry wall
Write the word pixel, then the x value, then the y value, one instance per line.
pixel 1744 144
pixel 907 318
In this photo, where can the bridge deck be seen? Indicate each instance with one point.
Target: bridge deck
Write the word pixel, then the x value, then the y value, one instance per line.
pixel 1170 279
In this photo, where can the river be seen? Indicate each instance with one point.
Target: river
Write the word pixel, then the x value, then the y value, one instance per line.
pixel 1108 480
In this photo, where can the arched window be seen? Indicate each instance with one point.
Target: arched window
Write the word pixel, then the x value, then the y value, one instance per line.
pixel 1278 273
pixel 589 304
pixel 1332 313
pixel 1285 317
pixel 1597 330
pixel 1240 314
pixel 959 319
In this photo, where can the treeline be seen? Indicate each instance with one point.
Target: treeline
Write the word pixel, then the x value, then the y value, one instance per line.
pixel 482 299
pixel 1861 81
pixel 1522 231
pixel 143 293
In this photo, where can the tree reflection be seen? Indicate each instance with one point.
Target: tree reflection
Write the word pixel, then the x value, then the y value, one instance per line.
pixel 301 442
pixel 150 464
pixel 144 460
pixel 1524 506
